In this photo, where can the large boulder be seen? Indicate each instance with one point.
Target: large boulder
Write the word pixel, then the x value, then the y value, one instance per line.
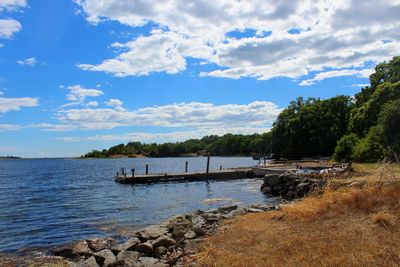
pixel 127 258
pixel 129 245
pixel 272 179
pixel 154 231
pixel 97 244
pixel 164 241
pixel 74 251
pixel 90 262
pixel 105 257
pixel 145 248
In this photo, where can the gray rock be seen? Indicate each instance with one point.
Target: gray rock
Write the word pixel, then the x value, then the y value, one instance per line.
pixel 129 258
pixel 97 244
pixel 180 228
pixel 267 190
pixel 227 209
pixel 90 262
pixel 239 211
pixel 129 245
pixel 160 251
pixel 198 220
pixel 163 241
pixel 105 257
pixel 272 179
pixel 253 210
pixel 145 248
pixel 212 217
pixel 154 231
pixel 263 207
pixel 74 251
pixel 190 234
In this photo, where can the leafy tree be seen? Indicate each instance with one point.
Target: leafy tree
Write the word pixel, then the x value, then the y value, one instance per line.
pixel 345 147
pixel 390 123
pixel 370 148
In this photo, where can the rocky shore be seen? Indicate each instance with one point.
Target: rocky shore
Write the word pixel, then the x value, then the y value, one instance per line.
pixel 289 185
pixel 171 243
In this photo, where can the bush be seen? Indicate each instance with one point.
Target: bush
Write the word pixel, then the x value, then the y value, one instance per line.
pixel 389 119
pixel 370 148
pixel 345 147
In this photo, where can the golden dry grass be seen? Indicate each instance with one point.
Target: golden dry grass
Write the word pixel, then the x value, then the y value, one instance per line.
pixel 346 226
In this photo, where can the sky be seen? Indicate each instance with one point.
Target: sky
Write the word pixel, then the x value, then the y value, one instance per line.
pixel 77 75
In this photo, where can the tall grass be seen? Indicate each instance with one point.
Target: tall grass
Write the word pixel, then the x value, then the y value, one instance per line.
pixel 354 222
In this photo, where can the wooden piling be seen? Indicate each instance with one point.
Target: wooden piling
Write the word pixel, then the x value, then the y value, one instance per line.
pixel 220 167
pixel 208 165
pixel 133 173
pixel 186 166
pixel 147 168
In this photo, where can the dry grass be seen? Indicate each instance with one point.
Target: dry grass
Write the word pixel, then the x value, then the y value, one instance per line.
pixel 345 226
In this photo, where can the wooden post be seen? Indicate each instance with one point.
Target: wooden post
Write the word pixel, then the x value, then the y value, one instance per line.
pixel 265 160
pixel 220 167
pixel 208 165
pixel 133 173
pixel 186 166
pixel 147 169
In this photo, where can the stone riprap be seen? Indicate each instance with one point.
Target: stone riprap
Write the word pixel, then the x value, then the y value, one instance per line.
pixel 171 243
pixel 289 185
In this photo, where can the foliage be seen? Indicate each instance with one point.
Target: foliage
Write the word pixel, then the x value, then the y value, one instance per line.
pixel 390 123
pixel 227 145
pixel 345 147
pixel 370 148
pixel 310 128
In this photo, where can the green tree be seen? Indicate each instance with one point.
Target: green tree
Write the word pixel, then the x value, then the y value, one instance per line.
pixel 345 147
pixel 390 123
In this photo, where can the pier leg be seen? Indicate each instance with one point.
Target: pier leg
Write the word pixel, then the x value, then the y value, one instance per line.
pixel 133 173
pixel 220 167
pixel 147 169
pixel 186 166
pixel 208 165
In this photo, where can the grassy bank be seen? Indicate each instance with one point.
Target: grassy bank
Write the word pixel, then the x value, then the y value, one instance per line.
pixel 355 222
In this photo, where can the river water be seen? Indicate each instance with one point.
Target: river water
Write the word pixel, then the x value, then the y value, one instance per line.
pixel 47 202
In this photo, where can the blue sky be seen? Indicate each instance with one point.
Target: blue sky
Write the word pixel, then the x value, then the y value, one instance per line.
pixel 86 74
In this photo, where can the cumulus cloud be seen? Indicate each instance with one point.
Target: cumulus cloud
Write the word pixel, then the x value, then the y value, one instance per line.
pixel 92 104
pixel 8 27
pixel 114 102
pixel 77 93
pixel 330 35
pixel 28 62
pixel 10 5
pixel 337 73
pixel 199 118
pixel 9 104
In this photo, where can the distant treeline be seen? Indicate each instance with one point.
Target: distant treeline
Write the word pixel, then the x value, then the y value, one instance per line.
pixel 227 145
pixel 364 128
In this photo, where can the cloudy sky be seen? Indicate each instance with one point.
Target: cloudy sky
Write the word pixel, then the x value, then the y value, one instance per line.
pixel 77 75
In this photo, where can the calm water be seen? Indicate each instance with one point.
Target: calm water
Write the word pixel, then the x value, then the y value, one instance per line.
pixel 46 202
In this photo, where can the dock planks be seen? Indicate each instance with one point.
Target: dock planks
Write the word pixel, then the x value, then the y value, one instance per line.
pixel 228 174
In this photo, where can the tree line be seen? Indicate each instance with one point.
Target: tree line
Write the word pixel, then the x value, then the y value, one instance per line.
pixel 364 128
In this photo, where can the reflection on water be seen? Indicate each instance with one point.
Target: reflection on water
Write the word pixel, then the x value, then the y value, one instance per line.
pixel 47 202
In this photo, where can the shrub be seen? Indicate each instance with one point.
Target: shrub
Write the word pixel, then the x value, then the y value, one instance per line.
pixel 345 147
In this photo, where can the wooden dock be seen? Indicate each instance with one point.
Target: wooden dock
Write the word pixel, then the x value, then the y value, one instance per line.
pixel 227 174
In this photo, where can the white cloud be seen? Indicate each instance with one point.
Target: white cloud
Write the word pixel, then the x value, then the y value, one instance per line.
pixel 8 27
pixel 360 85
pixel 11 5
pixel 78 94
pixel 114 102
pixel 200 117
pixel 337 73
pixel 28 62
pixel 10 127
pixel 92 104
pixel 9 104
pixel 336 35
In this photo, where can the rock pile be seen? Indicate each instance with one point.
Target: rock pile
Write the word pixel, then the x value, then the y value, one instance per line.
pixel 169 244
pixel 289 185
